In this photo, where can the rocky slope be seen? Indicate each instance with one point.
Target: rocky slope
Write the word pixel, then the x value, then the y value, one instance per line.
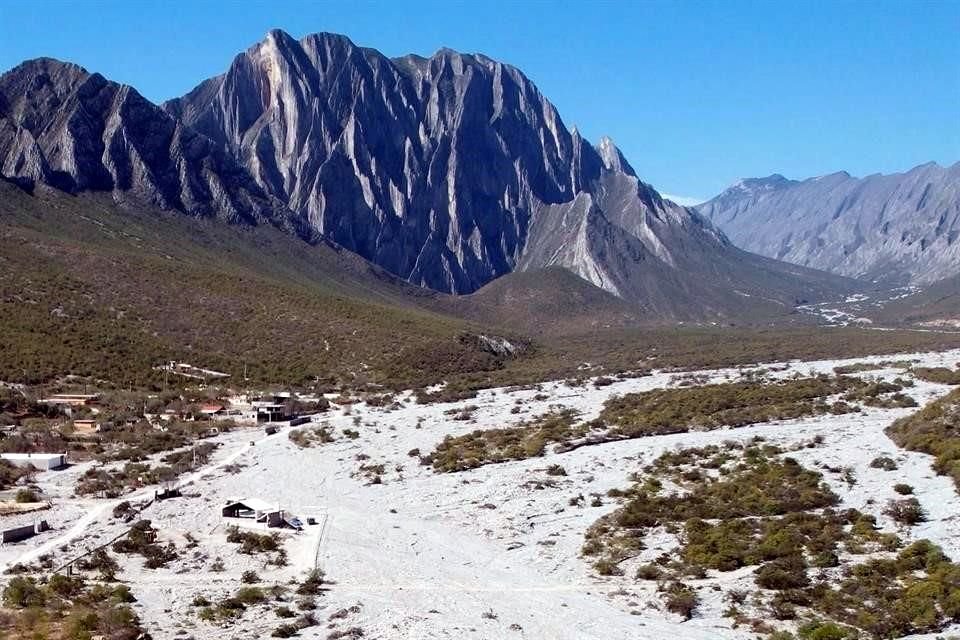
pixel 474 175
pixel 77 131
pixel 896 229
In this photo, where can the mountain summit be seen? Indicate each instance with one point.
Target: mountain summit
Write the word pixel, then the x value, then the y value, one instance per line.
pixel 448 172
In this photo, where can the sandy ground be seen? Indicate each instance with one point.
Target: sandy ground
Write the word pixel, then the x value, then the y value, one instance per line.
pixel 489 553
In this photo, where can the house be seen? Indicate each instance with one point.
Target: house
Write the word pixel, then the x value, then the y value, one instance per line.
pixel 211 410
pixel 269 411
pixel 249 508
pixel 40 461
pixel 260 512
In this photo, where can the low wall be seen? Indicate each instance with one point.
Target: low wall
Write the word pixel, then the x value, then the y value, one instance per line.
pixel 16 534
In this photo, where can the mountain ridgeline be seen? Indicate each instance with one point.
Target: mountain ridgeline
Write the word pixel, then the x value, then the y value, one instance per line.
pixel 448 172
pixel 896 229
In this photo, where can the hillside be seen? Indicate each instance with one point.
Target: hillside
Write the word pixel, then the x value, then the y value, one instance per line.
pixel 89 288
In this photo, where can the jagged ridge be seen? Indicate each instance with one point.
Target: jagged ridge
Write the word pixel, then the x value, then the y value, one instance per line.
pixel 475 176
pixel 897 229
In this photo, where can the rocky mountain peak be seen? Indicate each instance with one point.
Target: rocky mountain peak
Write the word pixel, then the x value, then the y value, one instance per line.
pixel 448 171
pixel 77 131
pixel 613 158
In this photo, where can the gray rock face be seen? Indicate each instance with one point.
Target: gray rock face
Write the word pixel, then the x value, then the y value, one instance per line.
pixel 452 170
pixel 76 131
pixel 894 229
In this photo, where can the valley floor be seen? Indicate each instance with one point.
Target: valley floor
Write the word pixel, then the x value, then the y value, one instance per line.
pixel 489 553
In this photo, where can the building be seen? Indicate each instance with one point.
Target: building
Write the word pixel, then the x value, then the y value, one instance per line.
pixel 269 411
pixel 85 427
pixel 260 512
pixel 211 410
pixel 40 461
pixel 72 399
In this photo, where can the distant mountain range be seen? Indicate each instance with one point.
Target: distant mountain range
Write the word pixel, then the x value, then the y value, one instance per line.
pixel 448 172
pixel 893 229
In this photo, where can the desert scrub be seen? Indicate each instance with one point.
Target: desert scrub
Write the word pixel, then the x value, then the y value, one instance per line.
pixel 67 608
pixel 305 438
pixel 907 511
pixel 751 486
pixel 859 367
pixel 734 404
pixel 918 591
pixel 142 539
pixel 251 542
pixel 934 430
pixel 114 482
pixel 526 440
pixel 752 507
pixel 940 375
pixel 740 507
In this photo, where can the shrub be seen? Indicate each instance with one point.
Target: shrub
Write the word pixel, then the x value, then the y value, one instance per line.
pixel 285 630
pixel 249 577
pixel 907 511
pixel 903 489
pixel 312 584
pixel 23 592
pixel 250 595
pixel 26 495
pixel 884 462
pixel 649 571
pixel 682 600
pixel 824 631
pixel 783 573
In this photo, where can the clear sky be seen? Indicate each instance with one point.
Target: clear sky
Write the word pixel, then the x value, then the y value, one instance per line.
pixel 696 94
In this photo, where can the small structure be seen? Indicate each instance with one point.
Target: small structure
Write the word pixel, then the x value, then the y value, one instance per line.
pixel 85 427
pixel 166 494
pixel 212 410
pixel 39 461
pixel 72 399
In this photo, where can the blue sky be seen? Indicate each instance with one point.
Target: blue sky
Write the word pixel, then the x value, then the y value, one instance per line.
pixel 696 94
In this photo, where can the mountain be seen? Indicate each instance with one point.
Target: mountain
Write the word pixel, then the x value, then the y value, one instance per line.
pixel 894 229
pixel 454 170
pixel 77 131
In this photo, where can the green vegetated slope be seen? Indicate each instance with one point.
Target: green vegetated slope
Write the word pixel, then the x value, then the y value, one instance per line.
pixel 91 288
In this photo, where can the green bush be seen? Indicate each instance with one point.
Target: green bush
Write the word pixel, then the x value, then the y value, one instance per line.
pixel 23 592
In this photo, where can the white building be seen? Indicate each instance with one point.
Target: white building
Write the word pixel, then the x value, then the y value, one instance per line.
pixel 41 461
